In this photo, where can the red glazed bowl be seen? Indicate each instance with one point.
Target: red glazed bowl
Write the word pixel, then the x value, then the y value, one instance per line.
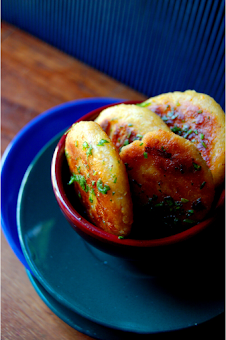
pixel 184 245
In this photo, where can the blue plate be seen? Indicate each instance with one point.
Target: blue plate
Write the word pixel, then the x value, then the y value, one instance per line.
pixel 22 150
pixel 101 288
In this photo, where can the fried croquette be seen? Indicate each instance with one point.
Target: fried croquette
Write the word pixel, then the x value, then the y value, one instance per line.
pixel 169 178
pixel 125 123
pixel 99 177
pixel 198 118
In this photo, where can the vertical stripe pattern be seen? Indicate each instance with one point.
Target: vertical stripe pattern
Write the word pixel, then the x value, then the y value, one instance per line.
pixel 153 46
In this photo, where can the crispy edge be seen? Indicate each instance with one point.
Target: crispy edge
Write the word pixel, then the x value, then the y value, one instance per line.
pixel 125 123
pixel 112 213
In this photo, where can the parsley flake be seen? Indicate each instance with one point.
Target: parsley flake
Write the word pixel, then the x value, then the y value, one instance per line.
pixel 196 166
pixel 103 188
pixel 202 185
pixel 102 142
pixel 184 200
pixel 85 145
pixel 203 144
pixel 143 104
pixel 81 180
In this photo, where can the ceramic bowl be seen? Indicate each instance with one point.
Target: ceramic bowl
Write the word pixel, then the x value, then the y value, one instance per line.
pixel 129 247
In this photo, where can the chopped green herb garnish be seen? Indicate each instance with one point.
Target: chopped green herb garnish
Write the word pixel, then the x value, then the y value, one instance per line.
pixel 203 144
pixel 138 136
pixel 85 145
pixel 167 106
pixel 145 155
pixel 165 118
pixel 120 237
pixel 78 169
pixel 102 142
pixel 141 144
pixel 103 188
pixel 169 200
pixel 184 200
pixel 89 151
pixel 202 185
pixel 201 136
pixel 126 142
pixel 188 133
pixel 196 166
pixel 172 115
pixel 187 220
pixel 81 180
pixel 199 111
pixel 175 129
pixel 115 178
pixel 92 193
pixel 185 127
pixel 159 204
pixel 129 134
pixel 196 132
pixel 143 104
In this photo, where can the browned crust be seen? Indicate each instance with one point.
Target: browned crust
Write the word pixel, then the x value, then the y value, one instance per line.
pixel 109 209
pixel 125 123
pixel 166 165
pixel 198 118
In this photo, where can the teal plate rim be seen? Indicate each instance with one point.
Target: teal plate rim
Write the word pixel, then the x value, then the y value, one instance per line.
pixel 100 332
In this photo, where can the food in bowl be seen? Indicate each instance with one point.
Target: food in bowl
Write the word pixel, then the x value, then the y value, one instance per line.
pixel 198 118
pixel 180 201
pixel 125 123
pixel 170 181
pixel 99 177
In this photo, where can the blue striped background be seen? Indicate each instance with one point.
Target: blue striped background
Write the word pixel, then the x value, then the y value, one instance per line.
pixel 153 46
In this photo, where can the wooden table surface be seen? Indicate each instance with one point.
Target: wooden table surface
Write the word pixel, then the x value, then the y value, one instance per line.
pixel 36 77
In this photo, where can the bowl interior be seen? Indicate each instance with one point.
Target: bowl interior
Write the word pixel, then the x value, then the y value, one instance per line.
pixel 76 215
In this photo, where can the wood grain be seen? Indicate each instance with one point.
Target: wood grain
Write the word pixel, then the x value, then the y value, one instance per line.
pixel 36 77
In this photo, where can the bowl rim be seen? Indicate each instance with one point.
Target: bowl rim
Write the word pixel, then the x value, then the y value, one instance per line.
pixel 78 221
